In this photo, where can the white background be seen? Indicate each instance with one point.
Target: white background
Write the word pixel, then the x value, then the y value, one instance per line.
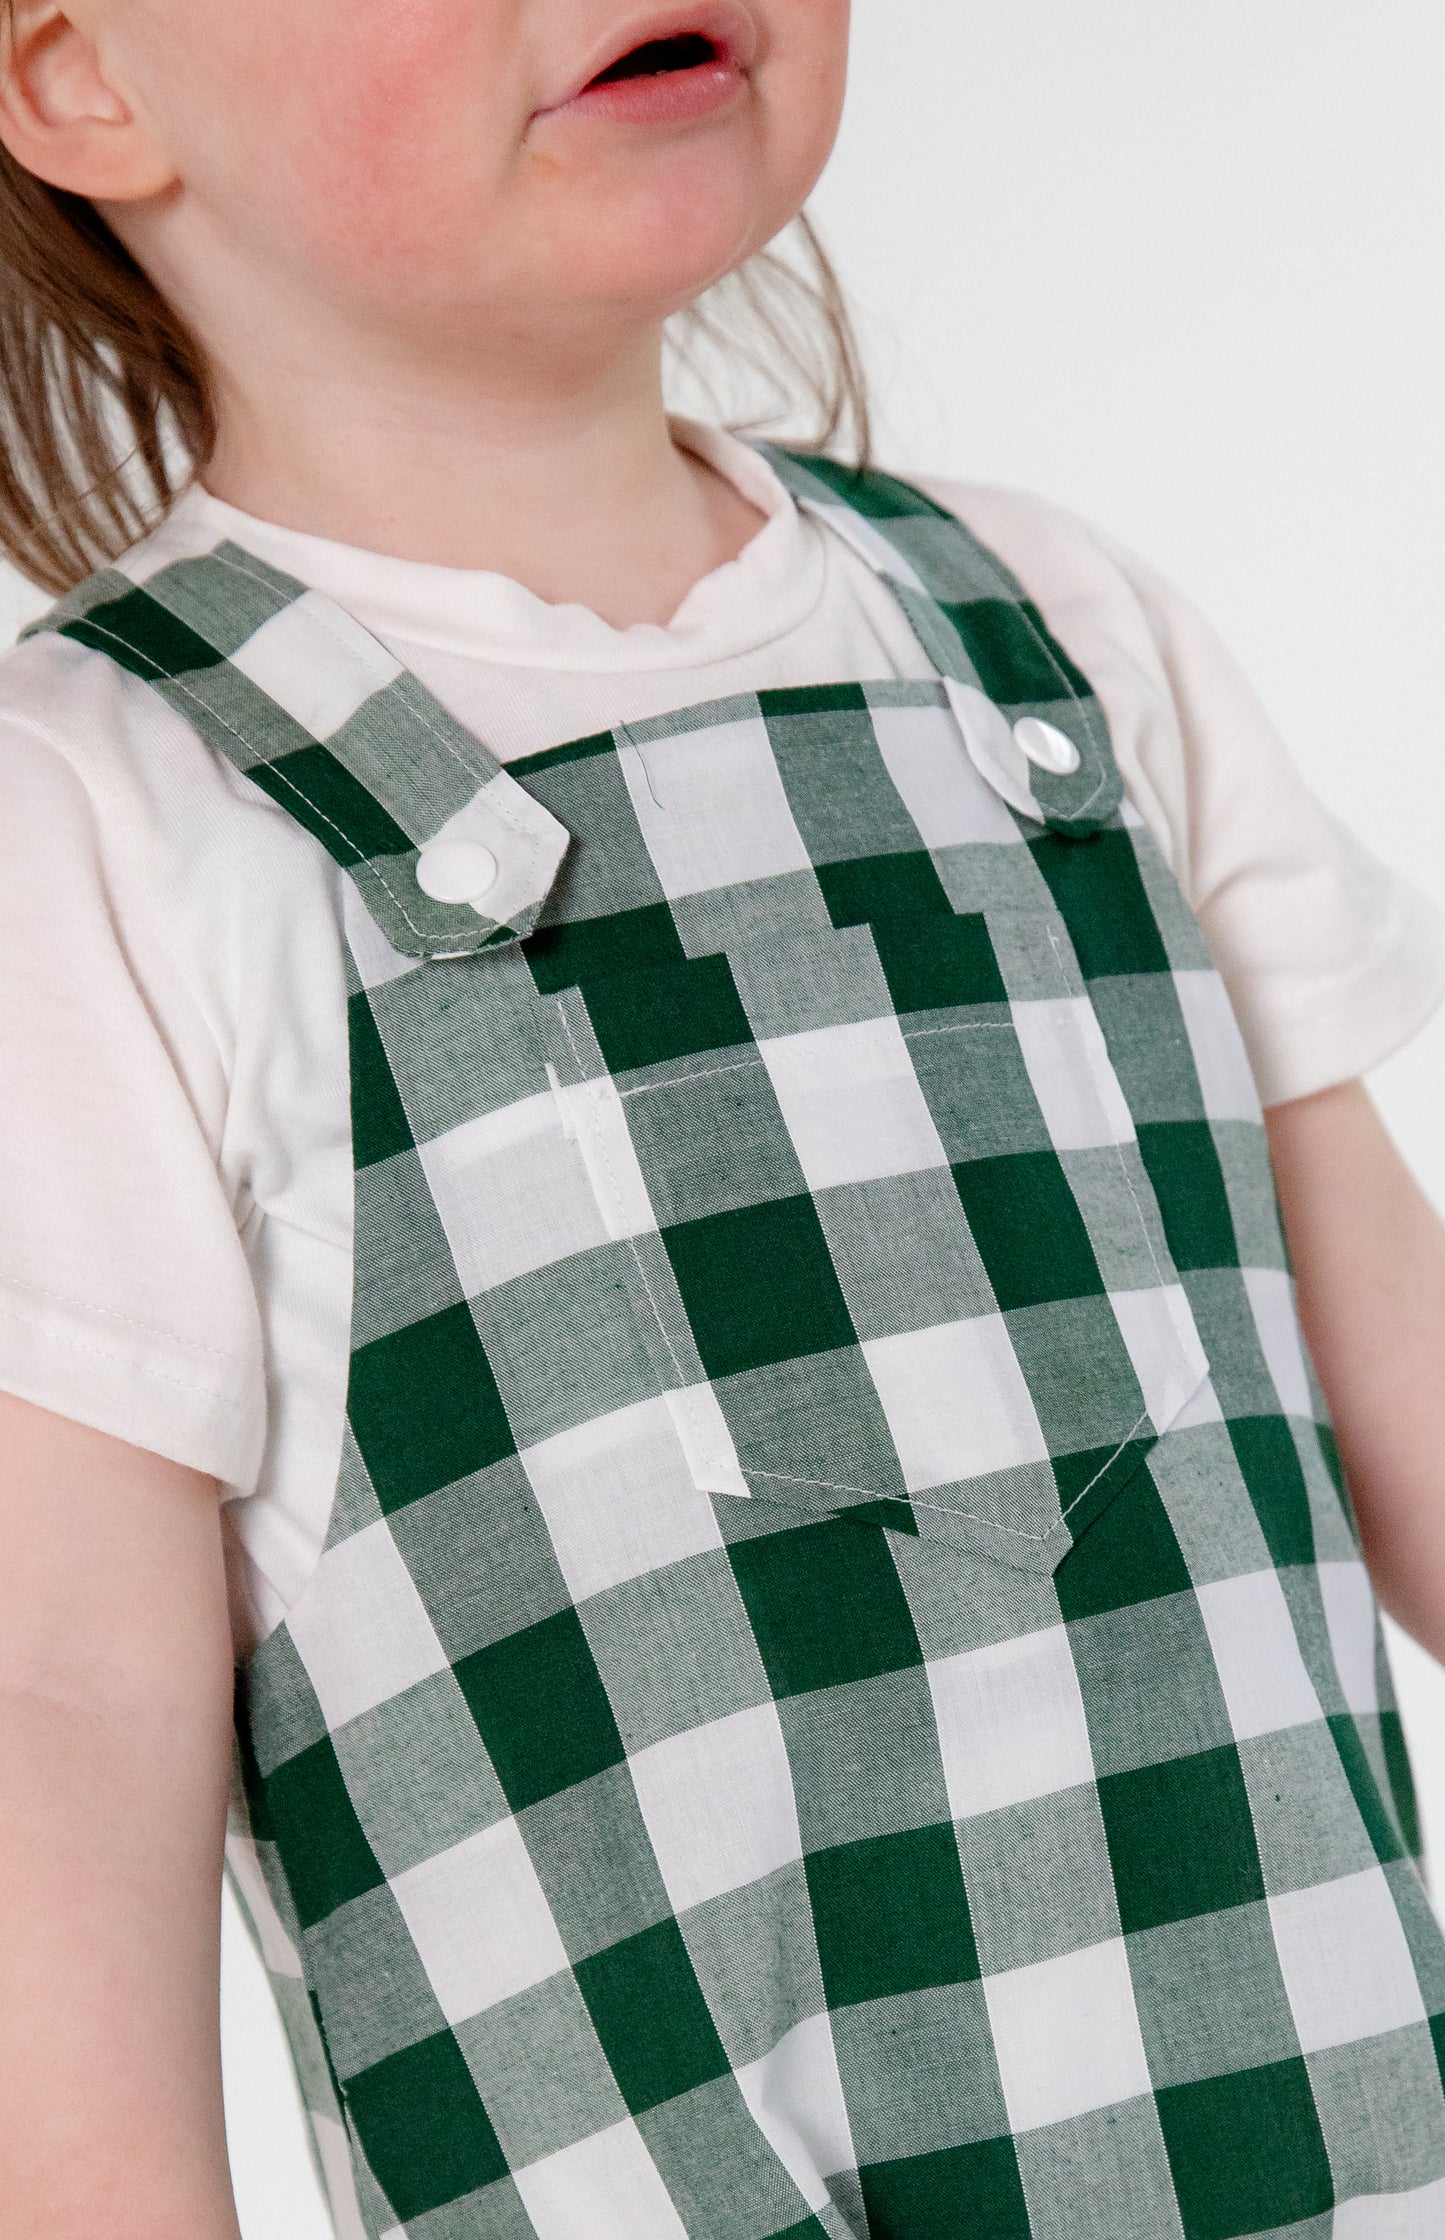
pixel 1182 268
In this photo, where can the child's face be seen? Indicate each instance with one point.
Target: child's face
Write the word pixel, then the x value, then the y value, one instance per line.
pixel 425 160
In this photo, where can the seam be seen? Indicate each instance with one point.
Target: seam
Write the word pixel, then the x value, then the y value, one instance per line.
pixel 1010 590
pixel 746 1065
pixel 675 1081
pixel 109 1314
pixel 430 940
pixel 1021 608
pixel 944 1509
pixel 119 1361
pixel 966 1026
pixel 323 621
pixel 631 1242
pixel 1117 1148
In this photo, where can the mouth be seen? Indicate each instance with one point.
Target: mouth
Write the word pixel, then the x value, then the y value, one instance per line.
pixel 671 71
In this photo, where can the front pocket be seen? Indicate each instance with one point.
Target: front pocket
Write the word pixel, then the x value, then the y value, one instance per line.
pixel 901 1263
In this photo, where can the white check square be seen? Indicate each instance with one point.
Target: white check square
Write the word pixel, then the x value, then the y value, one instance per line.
pixel 1266 1686
pixel 1071 1074
pixel 1346 1965
pixel 607 2186
pixel 1416 2215
pixel 1011 1723
pixel 940 788
pixel 480 1921
pixel 1271 1297
pixel 1220 1058
pixel 619 1498
pixel 1350 1617
pixel 316 663
pixel 594 1116
pixel 718 1805
pixel 1158 1328
pixel 361 1628
pixel 513 1193
pixel 852 1103
pixel 795 2097
pixel 956 1401
pixel 712 808
pixel 1066 2033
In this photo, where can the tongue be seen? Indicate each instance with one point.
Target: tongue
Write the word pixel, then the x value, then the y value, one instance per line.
pixel 659 58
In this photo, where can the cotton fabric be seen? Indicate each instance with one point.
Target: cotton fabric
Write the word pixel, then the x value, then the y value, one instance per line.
pixel 817 1715
pixel 174 1137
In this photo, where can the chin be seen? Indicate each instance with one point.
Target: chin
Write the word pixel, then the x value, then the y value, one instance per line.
pixel 665 248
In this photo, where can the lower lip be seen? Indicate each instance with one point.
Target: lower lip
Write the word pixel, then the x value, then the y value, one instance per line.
pixel 669 97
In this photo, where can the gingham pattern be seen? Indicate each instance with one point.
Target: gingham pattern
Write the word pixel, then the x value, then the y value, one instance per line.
pixel 816 1715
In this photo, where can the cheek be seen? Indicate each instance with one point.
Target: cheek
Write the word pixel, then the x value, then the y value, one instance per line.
pixel 378 123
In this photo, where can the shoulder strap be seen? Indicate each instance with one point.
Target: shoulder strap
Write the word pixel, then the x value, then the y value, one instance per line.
pixel 973 619
pixel 312 709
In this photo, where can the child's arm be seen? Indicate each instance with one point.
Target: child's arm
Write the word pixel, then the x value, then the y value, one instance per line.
pixel 1369 1254
pixel 115 1716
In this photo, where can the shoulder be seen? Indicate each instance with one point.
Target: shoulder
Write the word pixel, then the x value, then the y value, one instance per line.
pixel 1115 619
pixel 75 726
pixel 1086 583
pixel 127 845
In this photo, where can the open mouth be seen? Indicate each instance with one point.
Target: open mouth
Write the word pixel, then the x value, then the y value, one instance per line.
pixel 662 58
pixel 679 67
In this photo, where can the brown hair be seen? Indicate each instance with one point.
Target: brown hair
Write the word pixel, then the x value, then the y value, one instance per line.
pixel 105 406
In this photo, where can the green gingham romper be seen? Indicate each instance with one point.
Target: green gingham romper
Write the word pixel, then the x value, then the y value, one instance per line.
pixel 841 1697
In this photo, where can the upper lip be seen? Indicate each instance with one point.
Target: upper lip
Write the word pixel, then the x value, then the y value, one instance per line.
pixel 729 26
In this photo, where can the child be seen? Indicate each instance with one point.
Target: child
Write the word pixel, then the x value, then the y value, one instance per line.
pixel 616 1039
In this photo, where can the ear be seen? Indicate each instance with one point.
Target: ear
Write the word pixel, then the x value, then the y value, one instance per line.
pixel 63 118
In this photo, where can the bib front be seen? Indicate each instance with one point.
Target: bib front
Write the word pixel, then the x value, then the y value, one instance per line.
pixel 841 1696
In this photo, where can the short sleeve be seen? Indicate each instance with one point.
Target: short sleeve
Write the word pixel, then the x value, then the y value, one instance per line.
pixel 125 1298
pixel 1332 959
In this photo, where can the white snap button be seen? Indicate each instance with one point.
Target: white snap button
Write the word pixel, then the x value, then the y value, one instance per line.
pixel 456 871
pixel 1047 747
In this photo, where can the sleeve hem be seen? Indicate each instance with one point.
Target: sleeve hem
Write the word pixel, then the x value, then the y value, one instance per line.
pixel 1350 1032
pixel 152 1398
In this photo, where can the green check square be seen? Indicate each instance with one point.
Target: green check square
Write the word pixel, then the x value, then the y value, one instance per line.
pixel 334 807
pixel 1374 1808
pixel 141 635
pixel 568 956
pixel 1246 2151
pixel 864 889
pixel 826 1605
pixel 541 1709
pixel 327 1858
pixel 425 1408
pixel 1124 937
pixel 379 1125
pixel 649 2012
pixel 1270 1465
pixel 891 1915
pixel 1130 1554
pixel 933 963
pixel 673 1011
pixel 1016 657
pixel 1402 1782
pixel 1028 1228
pixel 813 700
pixel 759 1285
pixel 1181 1839
pixel 945 2196
pixel 424 2129
pixel 1183 1167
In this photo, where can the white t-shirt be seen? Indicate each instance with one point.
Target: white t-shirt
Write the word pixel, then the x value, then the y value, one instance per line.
pixel 175 1264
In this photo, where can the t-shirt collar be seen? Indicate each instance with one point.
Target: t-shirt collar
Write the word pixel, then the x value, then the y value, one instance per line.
pixel 769 589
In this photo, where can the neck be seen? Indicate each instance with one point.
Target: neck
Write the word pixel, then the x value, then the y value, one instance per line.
pixel 574 488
